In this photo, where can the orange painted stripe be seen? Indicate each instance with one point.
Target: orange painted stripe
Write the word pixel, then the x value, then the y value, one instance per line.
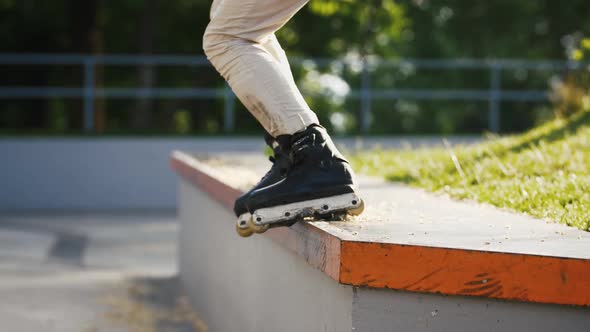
pixel 466 272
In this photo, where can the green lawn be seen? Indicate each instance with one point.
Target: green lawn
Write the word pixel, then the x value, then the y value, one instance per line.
pixel 544 173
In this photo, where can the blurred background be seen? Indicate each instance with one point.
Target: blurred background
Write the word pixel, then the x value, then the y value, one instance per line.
pixel 95 94
pixel 379 67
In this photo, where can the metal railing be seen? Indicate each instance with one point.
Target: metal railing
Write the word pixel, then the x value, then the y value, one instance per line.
pixel 494 95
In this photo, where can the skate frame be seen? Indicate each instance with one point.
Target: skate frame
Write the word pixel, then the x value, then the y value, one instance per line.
pixel 320 207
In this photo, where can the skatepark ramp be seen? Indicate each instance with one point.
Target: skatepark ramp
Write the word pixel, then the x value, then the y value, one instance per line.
pixel 412 262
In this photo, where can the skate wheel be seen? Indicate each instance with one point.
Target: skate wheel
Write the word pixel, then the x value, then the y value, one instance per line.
pixel 256 228
pixel 357 210
pixel 244 232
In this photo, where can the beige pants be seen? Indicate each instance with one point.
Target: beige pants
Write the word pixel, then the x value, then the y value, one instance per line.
pixel 241 44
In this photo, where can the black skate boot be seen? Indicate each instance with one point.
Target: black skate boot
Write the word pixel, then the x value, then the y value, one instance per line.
pixel 280 163
pixel 319 184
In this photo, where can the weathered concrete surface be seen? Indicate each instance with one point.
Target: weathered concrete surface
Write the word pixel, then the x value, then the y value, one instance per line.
pixel 242 285
pixel 444 246
pixel 406 218
pixel 72 272
pixel 395 213
pixel 399 214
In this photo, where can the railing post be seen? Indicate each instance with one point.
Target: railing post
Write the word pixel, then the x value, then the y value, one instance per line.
pixel 89 93
pixel 365 117
pixel 229 110
pixel 495 98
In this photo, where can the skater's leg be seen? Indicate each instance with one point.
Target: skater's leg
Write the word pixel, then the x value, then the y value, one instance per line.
pixel 274 48
pixel 239 43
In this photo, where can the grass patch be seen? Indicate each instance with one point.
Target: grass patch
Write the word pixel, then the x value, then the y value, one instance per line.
pixel 544 173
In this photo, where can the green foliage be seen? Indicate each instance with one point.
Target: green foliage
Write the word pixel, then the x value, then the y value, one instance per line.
pixel 373 27
pixel 334 28
pixel 543 172
pixel 583 51
pixel 573 92
pixel 345 29
pixel 182 120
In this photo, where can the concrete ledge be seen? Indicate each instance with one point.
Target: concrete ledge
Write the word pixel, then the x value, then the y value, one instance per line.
pixel 529 275
pixel 410 248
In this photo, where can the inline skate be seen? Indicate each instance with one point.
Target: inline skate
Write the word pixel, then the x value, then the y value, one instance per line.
pixel 319 184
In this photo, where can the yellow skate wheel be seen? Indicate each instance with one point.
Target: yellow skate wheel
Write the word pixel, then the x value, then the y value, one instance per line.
pixel 244 232
pixel 256 228
pixel 357 210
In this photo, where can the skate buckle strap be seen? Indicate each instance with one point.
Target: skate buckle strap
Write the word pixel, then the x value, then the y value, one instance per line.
pixel 298 143
pixel 301 144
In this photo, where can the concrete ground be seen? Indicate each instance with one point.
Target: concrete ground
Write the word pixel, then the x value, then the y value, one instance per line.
pixel 91 272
